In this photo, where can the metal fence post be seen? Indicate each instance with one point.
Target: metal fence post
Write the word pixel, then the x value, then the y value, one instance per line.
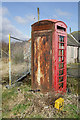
pixel 9 62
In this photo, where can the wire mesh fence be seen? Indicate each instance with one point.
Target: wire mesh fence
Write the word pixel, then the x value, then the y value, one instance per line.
pixel 15 58
pixel 20 58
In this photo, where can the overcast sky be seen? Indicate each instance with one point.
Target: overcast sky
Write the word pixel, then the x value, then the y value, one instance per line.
pixel 18 16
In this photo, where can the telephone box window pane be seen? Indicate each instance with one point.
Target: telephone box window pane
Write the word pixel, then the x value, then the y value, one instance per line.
pixel 62 59
pixel 60 72
pixel 61 45
pixel 61 52
pixel 59 59
pixel 60 85
pixel 61 65
pixel 60 79
pixel 61 38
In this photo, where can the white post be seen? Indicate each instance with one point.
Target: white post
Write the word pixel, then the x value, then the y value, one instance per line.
pixel 30 57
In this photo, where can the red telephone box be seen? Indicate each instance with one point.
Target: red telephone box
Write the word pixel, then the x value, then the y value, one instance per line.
pixel 49 47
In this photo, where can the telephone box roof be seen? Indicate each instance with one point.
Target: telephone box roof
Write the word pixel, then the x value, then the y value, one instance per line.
pixel 51 20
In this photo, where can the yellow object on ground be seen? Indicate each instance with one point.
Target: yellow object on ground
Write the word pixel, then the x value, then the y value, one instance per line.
pixel 59 103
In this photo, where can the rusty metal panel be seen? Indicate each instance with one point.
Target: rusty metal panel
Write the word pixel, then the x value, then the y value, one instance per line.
pixel 42 62
pixel 42 26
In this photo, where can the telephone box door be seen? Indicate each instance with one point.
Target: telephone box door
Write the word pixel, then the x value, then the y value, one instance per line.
pixel 61 63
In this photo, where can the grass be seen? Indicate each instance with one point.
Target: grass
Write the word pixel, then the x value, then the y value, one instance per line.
pixel 8 94
pixel 25 88
pixel 71 111
pixel 74 64
pixel 20 108
pixel 72 84
pixel 10 97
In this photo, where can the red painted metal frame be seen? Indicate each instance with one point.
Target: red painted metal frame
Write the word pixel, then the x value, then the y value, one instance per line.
pixel 55 63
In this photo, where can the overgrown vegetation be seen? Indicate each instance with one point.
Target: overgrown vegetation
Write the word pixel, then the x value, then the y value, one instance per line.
pixel 14 102
pixel 19 102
